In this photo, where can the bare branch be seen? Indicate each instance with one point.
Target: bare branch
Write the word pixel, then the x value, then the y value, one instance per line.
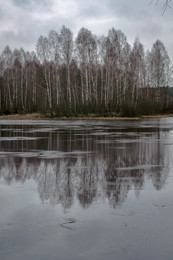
pixel 165 5
pixel 153 1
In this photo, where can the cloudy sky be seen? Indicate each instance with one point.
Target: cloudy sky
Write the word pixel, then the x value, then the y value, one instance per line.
pixel 23 21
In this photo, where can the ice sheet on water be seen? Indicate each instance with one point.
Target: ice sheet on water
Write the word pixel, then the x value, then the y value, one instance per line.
pixel 58 154
pixel 19 138
pixel 18 154
pixel 41 130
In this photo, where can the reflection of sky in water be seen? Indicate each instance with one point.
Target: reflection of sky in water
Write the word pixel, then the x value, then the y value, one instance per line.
pixel 116 185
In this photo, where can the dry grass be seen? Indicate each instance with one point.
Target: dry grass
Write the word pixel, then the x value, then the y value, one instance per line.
pixel 38 116
pixel 102 118
pixel 34 116
pixel 157 116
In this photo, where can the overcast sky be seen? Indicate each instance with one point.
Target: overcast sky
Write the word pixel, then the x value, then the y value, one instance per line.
pixel 23 21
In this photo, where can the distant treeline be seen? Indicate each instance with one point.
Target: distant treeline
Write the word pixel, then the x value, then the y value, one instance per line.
pixel 88 74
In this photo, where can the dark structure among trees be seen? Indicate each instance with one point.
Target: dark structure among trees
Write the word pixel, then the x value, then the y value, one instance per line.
pixel 90 74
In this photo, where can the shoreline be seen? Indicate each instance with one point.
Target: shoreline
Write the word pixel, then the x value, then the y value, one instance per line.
pixel 37 116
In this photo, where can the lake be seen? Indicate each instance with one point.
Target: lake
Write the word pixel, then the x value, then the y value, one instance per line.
pixel 92 190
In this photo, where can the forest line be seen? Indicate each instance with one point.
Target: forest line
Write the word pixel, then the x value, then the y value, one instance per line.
pixel 102 75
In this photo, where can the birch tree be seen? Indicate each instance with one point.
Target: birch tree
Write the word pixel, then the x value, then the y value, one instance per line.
pixel 159 67
pixel 54 48
pixel 89 75
pixel 44 55
pixel 137 70
pixel 7 92
pixel 86 48
pixel 66 38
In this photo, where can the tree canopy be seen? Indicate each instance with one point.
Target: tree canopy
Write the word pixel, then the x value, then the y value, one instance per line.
pixel 88 74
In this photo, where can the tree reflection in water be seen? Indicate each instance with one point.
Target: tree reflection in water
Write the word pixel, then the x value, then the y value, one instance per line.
pixel 62 181
pixel 86 163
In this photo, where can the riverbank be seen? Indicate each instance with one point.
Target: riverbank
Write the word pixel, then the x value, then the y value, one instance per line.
pixel 38 116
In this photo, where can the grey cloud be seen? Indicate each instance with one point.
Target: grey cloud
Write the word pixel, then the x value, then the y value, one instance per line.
pixel 9 38
pixel 27 4
pixel 91 12
pixel 130 10
pixel 2 14
pixel 28 19
pixel 93 9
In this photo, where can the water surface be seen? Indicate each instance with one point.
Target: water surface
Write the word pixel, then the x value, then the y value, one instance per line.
pixel 86 190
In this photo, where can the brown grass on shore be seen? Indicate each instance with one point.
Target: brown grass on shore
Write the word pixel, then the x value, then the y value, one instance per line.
pixel 157 116
pixel 38 116
pixel 33 116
